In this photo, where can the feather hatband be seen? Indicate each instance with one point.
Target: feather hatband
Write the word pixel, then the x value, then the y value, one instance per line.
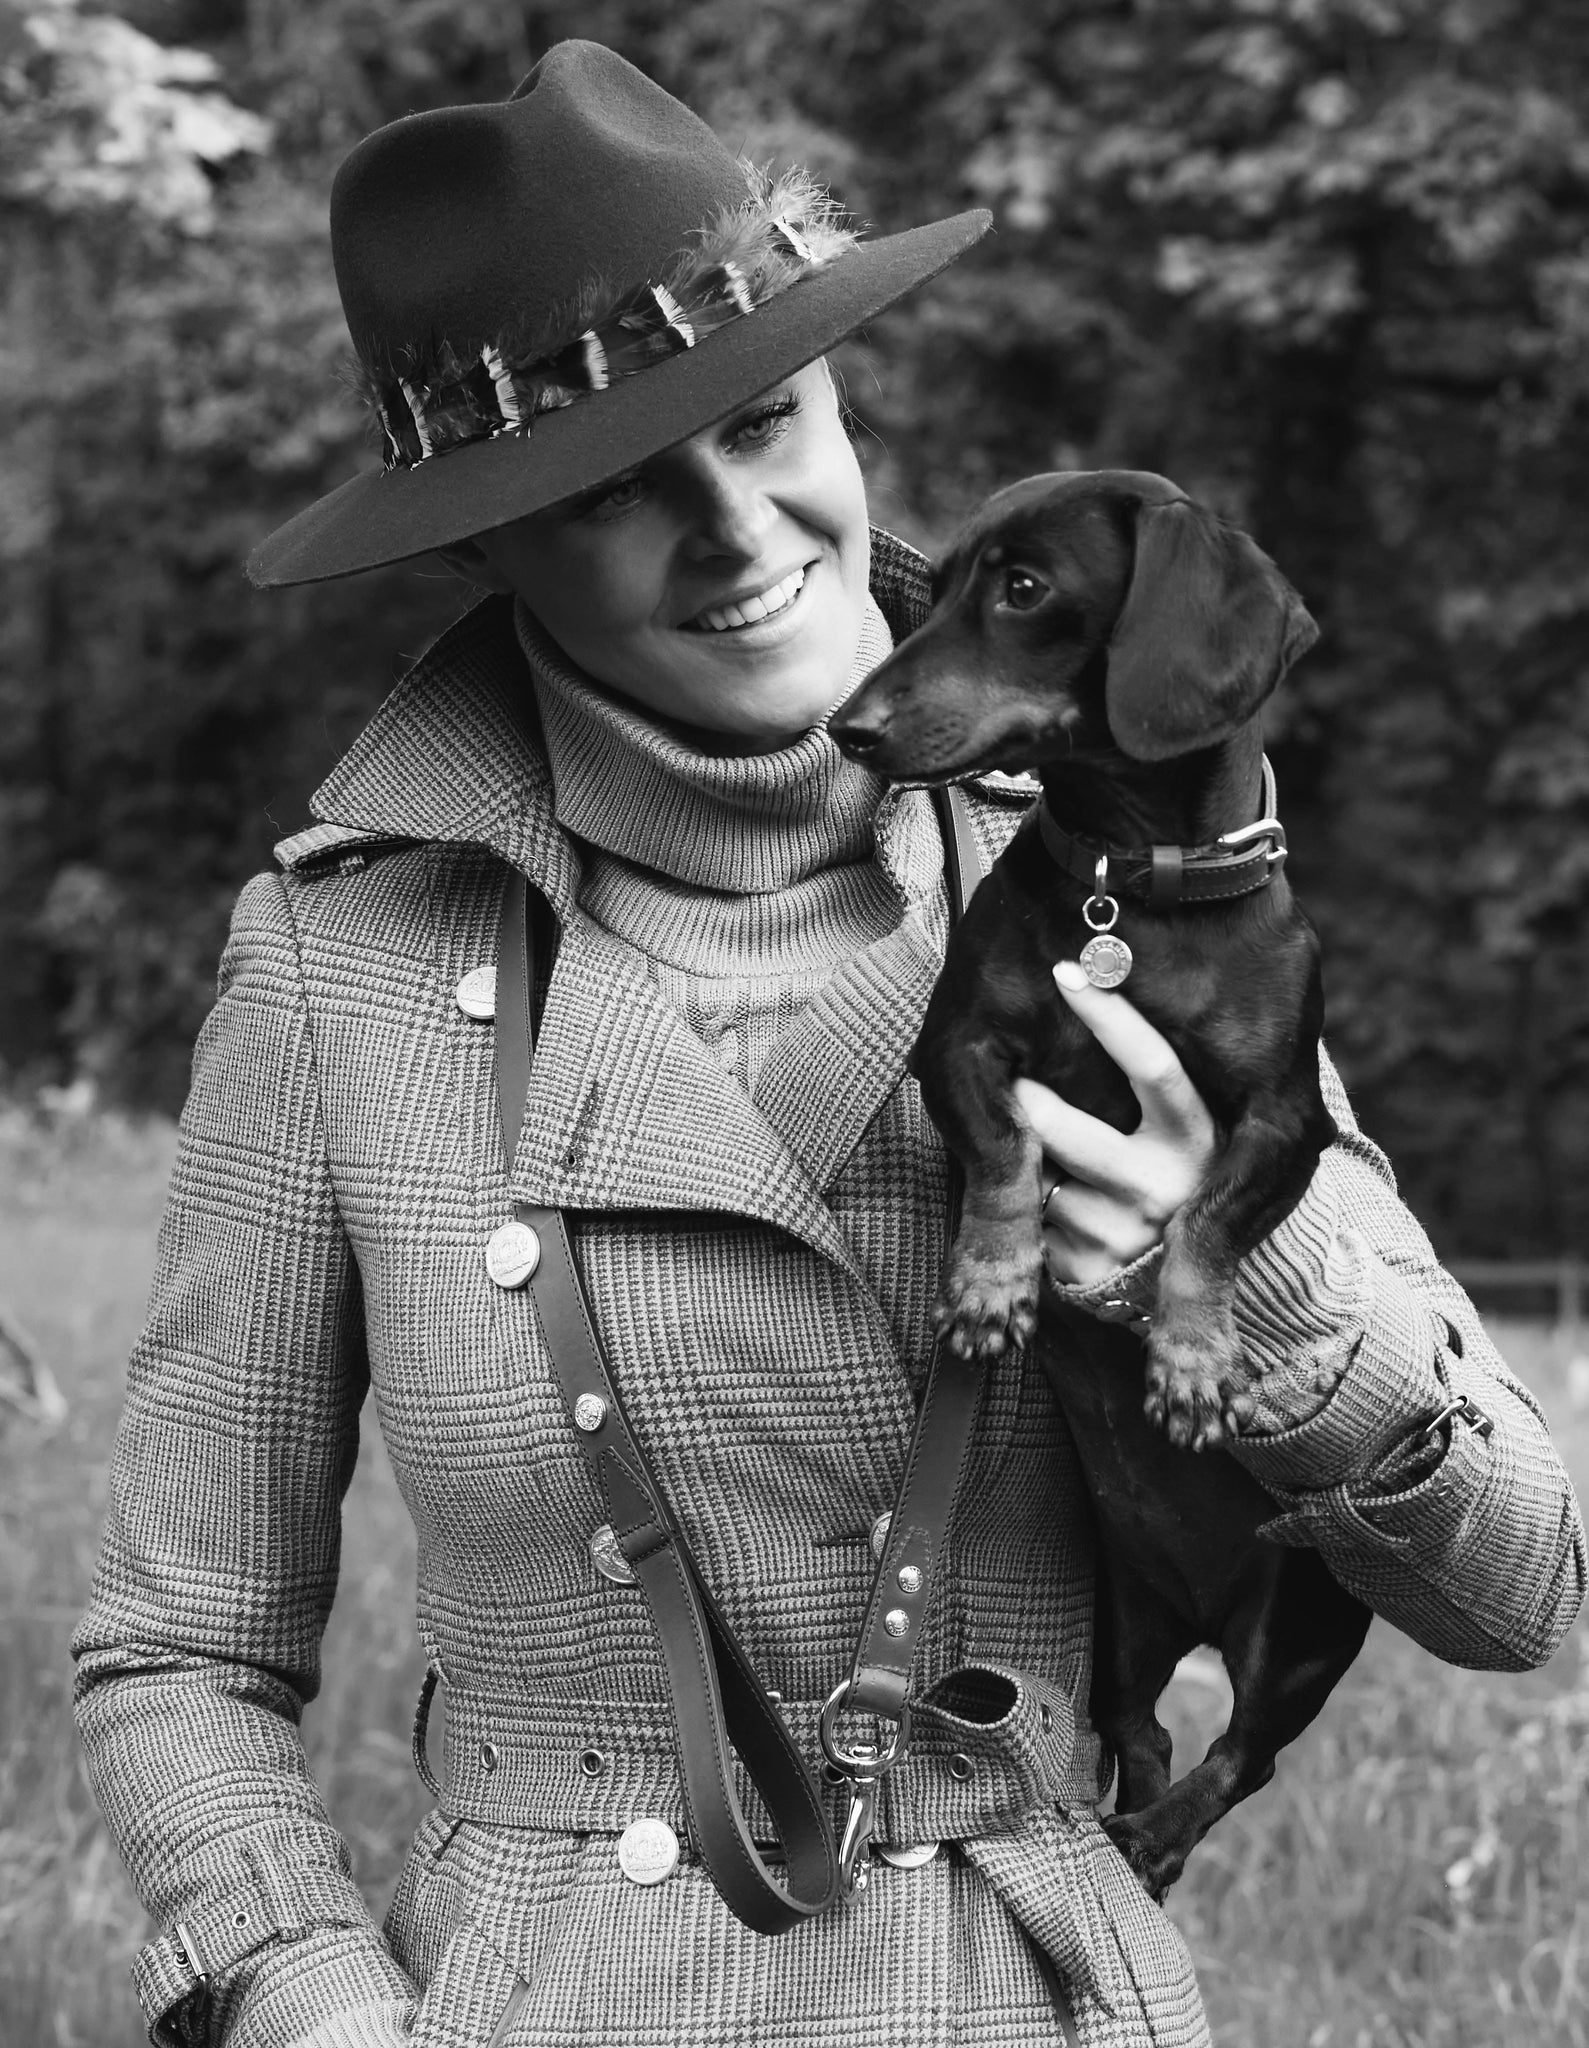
pixel 446 398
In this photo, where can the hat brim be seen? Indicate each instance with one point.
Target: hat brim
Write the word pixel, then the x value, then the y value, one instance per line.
pixel 387 516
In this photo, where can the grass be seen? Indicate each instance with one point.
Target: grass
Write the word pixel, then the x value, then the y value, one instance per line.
pixel 1417 1877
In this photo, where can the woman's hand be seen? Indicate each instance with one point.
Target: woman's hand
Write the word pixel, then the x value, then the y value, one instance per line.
pixel 1107 1196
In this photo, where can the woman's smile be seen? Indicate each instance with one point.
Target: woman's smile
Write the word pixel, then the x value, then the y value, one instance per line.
pixel 735 614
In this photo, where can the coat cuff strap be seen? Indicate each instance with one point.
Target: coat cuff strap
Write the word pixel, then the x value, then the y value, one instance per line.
pixel 173 1973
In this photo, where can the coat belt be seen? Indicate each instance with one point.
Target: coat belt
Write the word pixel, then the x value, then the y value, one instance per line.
pixel 583 1766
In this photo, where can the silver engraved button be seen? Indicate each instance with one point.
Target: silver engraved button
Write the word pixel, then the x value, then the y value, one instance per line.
pixel 910 1578
pixel 608 1559
pixel 590 1412
pixel 648 1851
pixel 512 1254
pixel 911 1857
pixel 896 1621
pixel 880 1533
pixel 476 994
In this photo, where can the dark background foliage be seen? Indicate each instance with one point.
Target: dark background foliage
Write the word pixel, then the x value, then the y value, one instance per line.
pixel 1322 261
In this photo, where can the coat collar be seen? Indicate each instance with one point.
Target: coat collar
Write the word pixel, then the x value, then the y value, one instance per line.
pixel 454 756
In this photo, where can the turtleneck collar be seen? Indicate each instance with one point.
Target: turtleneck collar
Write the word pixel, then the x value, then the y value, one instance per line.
pixel 745 824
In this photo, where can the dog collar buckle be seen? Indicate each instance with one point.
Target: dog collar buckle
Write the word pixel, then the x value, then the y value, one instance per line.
pixel 1269 829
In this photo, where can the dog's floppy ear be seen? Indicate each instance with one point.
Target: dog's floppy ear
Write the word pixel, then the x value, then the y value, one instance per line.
pixel 1208 627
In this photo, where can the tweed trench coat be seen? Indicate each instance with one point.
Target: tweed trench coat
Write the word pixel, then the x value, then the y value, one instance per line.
pixel 761 1269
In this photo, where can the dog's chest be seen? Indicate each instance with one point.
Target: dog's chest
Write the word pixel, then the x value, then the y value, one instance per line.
pixel 1215 981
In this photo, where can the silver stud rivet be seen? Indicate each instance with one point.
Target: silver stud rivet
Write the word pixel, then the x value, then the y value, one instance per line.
pixel 608 1559
pixel 880 1533
pixel 910 1578
pixel 960 1766
pixel 476 994
pixel 590 1412
pixel 512 1254
pixel 489 1759
pixel 648 1851
pixel 896 1621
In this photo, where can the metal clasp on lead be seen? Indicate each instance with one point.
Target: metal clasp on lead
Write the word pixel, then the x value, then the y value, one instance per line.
pixel 864 1769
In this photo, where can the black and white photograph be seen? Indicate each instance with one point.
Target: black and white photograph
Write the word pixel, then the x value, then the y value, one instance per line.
pixel 794 1024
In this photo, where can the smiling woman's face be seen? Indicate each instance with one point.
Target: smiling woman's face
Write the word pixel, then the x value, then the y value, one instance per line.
pixel 723 582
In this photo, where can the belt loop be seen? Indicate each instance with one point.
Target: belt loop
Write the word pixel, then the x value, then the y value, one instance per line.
pixel 1164 879
pixel 427 1692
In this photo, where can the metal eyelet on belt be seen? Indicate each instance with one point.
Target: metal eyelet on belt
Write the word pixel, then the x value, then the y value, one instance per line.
pixel 592 1763
pixel 490 1757
pixel 960 1766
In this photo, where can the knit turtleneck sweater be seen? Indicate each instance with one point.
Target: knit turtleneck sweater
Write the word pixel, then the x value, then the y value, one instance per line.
pixel 745 880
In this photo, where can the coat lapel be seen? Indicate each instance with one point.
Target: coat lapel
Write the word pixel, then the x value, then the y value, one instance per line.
pixel 628 1110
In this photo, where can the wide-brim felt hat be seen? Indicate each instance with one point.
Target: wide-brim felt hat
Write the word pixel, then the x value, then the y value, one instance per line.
pixel 544 291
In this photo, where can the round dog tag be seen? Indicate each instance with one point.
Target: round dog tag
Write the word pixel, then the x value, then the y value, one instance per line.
pixel 1106 960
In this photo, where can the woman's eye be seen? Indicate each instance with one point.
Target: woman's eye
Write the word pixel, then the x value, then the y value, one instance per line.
pixel 1022 590
pixel 617 497
pixel 766 425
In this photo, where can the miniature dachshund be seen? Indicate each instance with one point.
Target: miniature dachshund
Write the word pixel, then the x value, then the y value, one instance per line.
pixel 1107 630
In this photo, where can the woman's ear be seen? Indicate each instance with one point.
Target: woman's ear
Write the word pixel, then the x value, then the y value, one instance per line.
pixel 1208 627
pixel 470 560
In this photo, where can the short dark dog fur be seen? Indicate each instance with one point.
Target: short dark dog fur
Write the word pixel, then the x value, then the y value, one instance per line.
pixel 1106 629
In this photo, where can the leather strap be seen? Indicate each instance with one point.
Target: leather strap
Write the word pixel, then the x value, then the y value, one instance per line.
pixel 718 1702
pixel 1164 877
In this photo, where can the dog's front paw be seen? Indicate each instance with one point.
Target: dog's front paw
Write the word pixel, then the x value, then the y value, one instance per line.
pixel 987 1305
pixel 1199 1385
pixel 1155 1862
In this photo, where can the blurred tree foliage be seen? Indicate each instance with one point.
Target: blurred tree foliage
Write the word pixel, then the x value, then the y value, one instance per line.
pixel 1322 261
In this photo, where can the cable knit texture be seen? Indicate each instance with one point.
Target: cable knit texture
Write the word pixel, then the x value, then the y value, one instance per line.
pixel 742 880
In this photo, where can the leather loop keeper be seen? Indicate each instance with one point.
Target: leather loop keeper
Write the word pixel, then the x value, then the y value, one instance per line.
pixel 1164 879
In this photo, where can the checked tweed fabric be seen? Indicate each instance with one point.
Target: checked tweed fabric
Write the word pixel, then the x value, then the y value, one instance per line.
pixel 761 1268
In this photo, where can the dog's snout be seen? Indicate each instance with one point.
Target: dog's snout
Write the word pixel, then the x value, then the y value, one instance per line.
pixel 858 736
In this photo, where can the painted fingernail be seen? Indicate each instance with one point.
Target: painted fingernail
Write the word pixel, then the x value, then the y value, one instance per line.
pixel 1069 974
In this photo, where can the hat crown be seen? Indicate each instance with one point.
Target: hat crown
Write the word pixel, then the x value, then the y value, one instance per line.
pixel 468 224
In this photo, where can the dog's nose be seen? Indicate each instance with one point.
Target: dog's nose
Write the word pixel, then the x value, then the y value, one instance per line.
pixel 857 736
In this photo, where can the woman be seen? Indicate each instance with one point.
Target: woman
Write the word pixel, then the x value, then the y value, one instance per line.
pixel 657 485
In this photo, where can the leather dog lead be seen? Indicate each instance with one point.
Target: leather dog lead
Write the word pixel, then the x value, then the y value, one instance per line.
pixel 718 1701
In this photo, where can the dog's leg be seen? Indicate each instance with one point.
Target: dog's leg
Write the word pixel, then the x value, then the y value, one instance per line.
pixel 1287 1644
pixel 987 1303
pixel 1138 1638
pixel 1199 1384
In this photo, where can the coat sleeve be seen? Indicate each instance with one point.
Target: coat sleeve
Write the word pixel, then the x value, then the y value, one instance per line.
pixel 220 1553
pixel 1465 1531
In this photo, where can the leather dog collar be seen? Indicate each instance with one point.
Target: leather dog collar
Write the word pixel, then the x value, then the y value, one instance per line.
pixel 1163 877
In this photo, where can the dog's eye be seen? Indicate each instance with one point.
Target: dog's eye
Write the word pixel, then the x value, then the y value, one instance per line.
pixel 1022 590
